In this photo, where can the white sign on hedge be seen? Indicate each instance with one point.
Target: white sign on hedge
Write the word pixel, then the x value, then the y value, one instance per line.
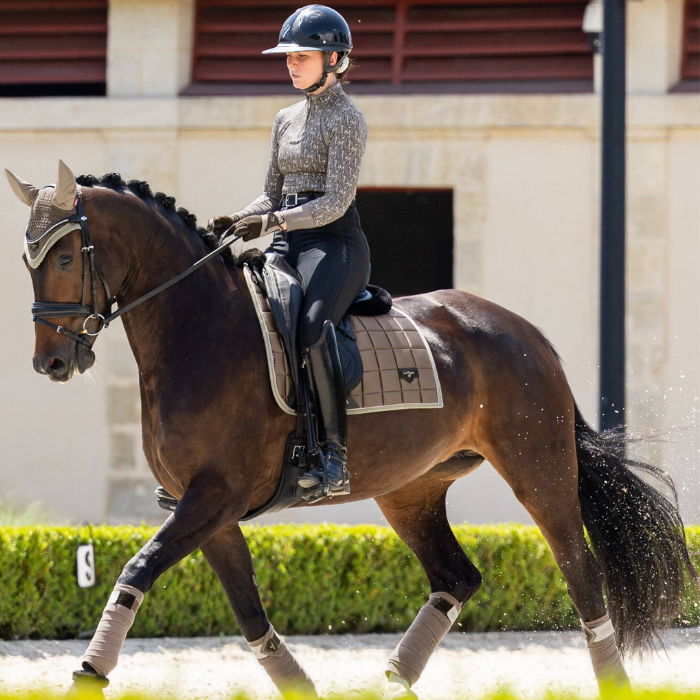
pixel 86 565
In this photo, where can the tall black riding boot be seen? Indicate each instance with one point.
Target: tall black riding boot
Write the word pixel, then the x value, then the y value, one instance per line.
pixel 326 372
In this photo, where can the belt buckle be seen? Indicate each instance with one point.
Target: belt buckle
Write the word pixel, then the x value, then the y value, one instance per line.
pixel 296 199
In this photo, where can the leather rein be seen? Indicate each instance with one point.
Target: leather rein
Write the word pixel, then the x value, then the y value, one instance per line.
pixel 42 310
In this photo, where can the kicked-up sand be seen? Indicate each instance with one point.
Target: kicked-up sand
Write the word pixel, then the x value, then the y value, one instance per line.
pixel 465 665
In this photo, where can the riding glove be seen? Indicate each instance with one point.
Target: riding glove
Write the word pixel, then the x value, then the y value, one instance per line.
pixel 220 224
pixel 255 226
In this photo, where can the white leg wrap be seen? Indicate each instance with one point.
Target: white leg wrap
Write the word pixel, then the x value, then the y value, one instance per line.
pixel 432 623
pixel 274 656
pixel 605 655
pixel 118 616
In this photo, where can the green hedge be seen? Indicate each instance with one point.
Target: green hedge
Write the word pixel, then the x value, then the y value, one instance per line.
pixel 313 579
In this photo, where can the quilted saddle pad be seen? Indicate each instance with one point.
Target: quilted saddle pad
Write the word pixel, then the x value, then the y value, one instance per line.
pixel 398 366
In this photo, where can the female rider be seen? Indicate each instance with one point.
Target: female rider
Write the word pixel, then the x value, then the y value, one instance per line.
pixel 308 204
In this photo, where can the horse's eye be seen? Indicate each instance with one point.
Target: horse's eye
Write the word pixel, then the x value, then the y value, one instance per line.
pixel 66 259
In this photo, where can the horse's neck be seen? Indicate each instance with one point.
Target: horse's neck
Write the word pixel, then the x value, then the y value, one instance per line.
pixel 183 328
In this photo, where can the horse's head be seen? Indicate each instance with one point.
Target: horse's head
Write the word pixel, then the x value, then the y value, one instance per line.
pixel 65 296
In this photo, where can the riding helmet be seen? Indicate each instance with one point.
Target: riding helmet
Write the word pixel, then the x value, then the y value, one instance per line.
pixel 316 28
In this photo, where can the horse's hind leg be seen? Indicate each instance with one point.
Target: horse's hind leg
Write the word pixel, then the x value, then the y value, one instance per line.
pixel 543 474
pixel 417 514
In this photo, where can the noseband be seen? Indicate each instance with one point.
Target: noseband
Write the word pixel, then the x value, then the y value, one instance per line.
pixel 41 310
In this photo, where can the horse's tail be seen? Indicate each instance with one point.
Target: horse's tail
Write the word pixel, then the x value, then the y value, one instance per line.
pixel 637 536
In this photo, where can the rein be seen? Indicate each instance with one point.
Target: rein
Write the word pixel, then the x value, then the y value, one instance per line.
pixel 41 310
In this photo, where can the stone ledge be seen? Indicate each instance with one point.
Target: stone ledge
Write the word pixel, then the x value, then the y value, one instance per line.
pixel 398 112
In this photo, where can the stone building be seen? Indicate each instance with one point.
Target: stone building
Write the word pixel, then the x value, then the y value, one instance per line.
pixel 489 123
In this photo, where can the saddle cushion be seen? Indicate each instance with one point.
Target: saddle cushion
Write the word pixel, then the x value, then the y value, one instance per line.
pixel 399 369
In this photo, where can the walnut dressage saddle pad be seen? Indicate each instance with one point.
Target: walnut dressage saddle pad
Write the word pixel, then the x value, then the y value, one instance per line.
pixel 398 366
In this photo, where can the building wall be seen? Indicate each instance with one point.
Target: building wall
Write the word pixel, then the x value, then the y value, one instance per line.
pixel 525 174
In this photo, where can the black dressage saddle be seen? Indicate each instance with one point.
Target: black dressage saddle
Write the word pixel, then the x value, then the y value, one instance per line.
pixel 282 285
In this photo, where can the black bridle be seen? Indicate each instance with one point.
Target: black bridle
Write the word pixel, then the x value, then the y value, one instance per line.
pixel 41 310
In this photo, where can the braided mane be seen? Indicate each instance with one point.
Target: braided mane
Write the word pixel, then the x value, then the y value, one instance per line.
pixel 142 189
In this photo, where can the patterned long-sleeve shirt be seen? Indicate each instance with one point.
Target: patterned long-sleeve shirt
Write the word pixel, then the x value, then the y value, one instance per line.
pixel 317 145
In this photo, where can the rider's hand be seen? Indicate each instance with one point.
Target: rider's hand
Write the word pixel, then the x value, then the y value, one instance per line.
pixel 254 226
pixel 219 224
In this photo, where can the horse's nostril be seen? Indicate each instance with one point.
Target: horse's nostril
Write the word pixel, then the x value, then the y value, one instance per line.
pixel 55 365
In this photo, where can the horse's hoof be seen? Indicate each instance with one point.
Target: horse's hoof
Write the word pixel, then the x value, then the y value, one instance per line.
pixel 398 691
pixel 87 686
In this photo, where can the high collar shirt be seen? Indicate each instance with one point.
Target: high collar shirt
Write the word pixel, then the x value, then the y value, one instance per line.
pixel 317 146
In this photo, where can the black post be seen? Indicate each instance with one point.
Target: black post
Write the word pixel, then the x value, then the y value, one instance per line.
pixel 612 211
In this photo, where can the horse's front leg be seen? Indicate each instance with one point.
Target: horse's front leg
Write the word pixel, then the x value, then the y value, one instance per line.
pixel 208 504
pixel 228 554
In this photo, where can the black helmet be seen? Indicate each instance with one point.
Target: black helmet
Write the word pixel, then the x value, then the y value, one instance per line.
pixel 316 28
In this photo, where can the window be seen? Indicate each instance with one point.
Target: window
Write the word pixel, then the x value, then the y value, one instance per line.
pixel 405 45
pixel 53 47
pixel 690 66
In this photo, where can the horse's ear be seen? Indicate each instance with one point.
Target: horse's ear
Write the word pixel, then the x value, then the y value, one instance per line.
pixel 66 187
pixel 26 192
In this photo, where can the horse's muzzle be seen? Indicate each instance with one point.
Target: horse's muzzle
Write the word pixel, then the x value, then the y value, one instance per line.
pixel 60 368
pixel 56 368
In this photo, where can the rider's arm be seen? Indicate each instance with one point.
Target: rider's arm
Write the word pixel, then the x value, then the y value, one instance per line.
pixel 272 191
pixel 348 137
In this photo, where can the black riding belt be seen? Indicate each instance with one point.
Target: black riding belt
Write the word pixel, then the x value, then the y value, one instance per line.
pixel 293 199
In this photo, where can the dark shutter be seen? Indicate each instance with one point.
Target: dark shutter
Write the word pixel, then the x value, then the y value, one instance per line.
pixel 690 67
pixel 406 42
pixel 53 42
pixel 495 41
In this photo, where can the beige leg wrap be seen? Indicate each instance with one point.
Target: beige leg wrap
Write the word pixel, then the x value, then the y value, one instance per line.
pixel 118 616
pixel 273 654
pixel 605 655
pixel 432 623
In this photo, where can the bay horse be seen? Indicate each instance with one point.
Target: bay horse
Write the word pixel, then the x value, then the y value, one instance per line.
pixel 214 436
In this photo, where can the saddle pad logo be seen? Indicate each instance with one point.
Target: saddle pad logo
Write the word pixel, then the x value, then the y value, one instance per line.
pixel 409 373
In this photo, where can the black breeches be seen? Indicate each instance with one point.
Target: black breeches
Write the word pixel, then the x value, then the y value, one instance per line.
pixel 333 261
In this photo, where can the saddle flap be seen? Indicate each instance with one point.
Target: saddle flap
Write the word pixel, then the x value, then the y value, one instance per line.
pixel 282 285
pixel 350 357
pixel 283 288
